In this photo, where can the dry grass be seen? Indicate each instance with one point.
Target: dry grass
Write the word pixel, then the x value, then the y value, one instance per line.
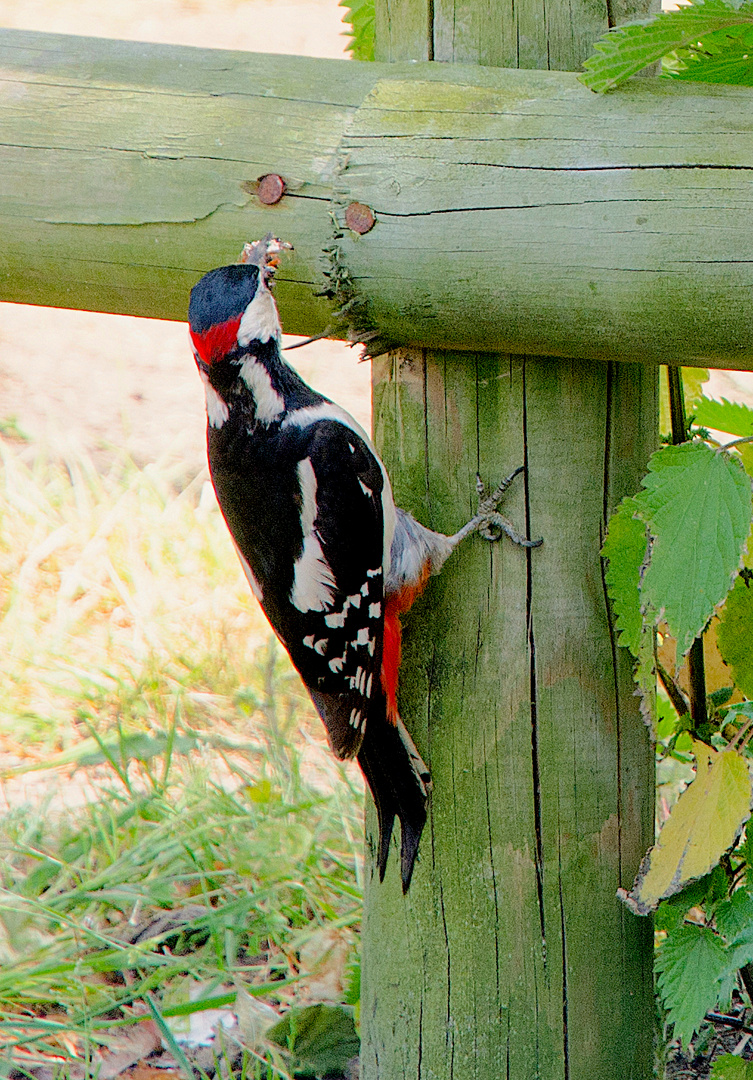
pixel 190 776
pixel 115 590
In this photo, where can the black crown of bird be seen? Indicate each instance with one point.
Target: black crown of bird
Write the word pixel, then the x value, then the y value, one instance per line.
pixel 331 559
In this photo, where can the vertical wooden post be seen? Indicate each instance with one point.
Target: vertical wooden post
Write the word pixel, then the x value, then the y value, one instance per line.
pixel 511 956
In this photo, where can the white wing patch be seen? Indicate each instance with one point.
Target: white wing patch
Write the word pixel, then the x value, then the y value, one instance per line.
pixel 314 584
pixel 217 410
pixel 260 320
pixel 269 404
pixel 329 411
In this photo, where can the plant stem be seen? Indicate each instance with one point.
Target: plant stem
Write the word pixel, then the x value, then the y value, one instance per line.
pixel 676 696
pixel 696 667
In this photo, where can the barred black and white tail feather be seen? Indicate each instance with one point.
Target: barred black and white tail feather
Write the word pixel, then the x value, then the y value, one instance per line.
pixel 400 784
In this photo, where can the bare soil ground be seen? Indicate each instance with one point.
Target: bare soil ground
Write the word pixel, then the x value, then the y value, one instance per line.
pixel 80 381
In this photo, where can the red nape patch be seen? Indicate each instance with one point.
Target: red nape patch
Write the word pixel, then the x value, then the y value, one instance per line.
pixel 217 341
pixel 393 634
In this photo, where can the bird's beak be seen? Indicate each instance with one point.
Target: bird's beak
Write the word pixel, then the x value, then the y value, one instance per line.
pixel 264 253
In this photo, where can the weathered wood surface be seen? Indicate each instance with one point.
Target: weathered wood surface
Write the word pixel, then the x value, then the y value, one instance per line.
pixel 511 958
pixel 515 209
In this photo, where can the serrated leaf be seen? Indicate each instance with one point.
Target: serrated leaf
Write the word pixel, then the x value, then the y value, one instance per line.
pixel 720 57
pixel 690 965
pixel 359 20
pixel 671 913
pixel 735 915
pixel 731 1067
pixel 741 949
pixel 704 823
pixel 697 505
pixel 645 675
pixel 625 548
pixel 321 1038
pixel 734 635
pixel 626 50
pixel 725 415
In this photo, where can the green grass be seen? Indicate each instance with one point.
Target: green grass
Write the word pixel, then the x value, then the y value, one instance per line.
pixel 194 832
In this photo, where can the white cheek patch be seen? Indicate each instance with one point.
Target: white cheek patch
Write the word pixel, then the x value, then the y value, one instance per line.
pixel 260 320
pixel 269 404
pixel 217 410
pixel 314 584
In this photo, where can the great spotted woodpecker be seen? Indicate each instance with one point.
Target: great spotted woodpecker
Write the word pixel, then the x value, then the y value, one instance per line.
pixel 330 558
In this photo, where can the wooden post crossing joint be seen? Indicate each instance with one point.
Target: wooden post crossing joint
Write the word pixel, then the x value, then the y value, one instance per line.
pixel 518 238
pixel 510 210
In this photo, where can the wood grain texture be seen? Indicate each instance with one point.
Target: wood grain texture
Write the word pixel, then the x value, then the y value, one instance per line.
pixel 515 209
pixel 511 957
pixel 515 205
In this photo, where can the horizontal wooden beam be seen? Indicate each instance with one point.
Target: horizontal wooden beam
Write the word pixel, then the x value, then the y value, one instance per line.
pixel 515 210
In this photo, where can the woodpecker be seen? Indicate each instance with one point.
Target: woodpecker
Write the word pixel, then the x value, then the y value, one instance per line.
pixel 330 558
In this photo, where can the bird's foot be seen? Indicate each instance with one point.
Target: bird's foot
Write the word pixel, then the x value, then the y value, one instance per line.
pixel 488 521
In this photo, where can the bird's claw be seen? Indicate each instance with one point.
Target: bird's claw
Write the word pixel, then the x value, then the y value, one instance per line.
pixel 492 525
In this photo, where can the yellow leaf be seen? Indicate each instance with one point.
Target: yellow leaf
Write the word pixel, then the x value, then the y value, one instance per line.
pixel 704 823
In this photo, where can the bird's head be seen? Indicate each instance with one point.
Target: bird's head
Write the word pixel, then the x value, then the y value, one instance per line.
pixel 232 306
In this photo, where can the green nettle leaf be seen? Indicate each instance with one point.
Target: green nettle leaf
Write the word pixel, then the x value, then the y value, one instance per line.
pixel 704 823
pixel 735 916
pixel 671 913
pixel 697 505
pixel 359 18
pixel 625 548
pixel 741 950
pixel 735 635
pixel 720 57
pixel 626 50
pixel 321 1039
pixel 690 965
pixel 725 415
pixel 731 1067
